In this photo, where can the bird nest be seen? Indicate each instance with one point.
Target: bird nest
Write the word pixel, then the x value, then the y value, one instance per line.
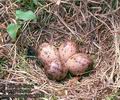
pixel 92 24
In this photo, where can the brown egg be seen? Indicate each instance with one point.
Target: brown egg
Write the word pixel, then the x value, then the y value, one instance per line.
pixel 56 70
pixel 78 63
pixel 47 53
pixel 66 50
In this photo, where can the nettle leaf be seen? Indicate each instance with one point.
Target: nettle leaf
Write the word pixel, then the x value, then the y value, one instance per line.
pixel 12 30
pixel 25 15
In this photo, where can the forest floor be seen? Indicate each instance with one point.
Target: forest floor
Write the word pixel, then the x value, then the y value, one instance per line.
pixel 93 24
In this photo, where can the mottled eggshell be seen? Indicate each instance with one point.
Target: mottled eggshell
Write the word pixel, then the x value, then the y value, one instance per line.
pixel 47 53
pixel 53 67
pixel 66 50
pixel 56 70
pixel 78 63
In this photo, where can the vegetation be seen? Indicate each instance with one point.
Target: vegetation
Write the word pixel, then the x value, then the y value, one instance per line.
pixel 93 24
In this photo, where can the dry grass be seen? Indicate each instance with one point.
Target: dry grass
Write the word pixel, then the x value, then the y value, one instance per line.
pixel 93 24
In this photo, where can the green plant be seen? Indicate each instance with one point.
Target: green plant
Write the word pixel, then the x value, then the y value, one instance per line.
pixel 114 4
pixel 12 28
pixel 112 97
pixel 2 66
pixel 25 16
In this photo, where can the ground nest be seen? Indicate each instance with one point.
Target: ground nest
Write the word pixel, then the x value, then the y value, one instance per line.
pixel 92 24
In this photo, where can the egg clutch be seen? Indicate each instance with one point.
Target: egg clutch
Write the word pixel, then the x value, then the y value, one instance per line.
pixel 58 61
